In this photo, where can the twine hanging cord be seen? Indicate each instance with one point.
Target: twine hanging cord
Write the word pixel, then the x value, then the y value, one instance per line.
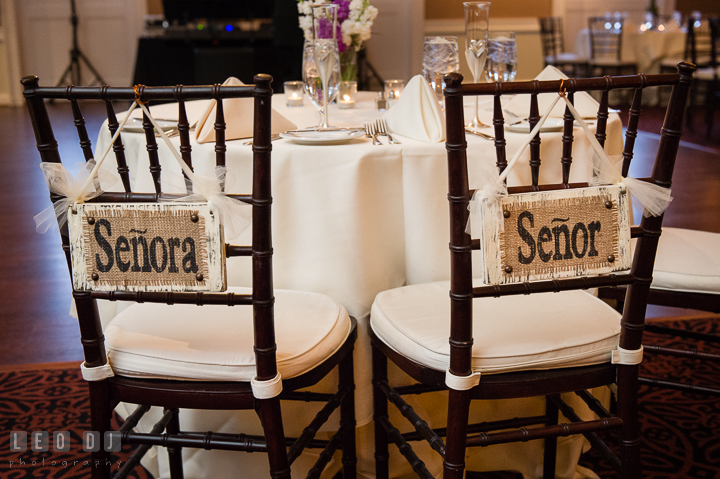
pixel 233 214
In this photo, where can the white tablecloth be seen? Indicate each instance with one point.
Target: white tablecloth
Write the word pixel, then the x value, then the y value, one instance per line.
pixel 647 49
pixel 350 221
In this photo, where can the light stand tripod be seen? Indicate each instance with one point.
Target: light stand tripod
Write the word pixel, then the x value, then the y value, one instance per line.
pixel 73 70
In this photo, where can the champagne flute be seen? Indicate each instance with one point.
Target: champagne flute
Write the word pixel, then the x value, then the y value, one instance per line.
pixel 326 54
pixel 476 34
pixel 311 80
pixel 502 57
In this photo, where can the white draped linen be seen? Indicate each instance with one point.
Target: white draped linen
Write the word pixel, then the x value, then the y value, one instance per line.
pixel 350 221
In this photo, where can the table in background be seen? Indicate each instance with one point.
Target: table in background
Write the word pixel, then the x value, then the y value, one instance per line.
pixel 353 220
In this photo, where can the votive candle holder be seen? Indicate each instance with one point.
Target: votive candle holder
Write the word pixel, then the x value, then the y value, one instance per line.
pixel 294 93
pixel 347 94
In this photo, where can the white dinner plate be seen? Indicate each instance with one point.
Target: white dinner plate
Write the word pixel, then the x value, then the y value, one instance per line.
pixel 135 125
pixel 319 137
pixel 551 124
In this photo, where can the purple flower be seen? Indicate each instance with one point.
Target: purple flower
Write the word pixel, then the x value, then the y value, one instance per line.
pixel 324 25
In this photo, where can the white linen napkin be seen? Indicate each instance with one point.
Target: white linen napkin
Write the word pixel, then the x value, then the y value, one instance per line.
pixel 583 102
pixel 417 114
pixel 238 118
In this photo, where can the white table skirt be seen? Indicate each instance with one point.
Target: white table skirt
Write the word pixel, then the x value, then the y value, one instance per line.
pixel 350 221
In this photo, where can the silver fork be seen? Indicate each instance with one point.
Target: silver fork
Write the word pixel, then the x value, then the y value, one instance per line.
pixel 371 133
pixel 383 130
pixel 175 132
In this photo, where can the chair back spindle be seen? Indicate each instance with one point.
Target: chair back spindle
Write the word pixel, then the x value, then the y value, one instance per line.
pixel 602 117
pixel 500 143
pixel 533 119
pixel 567 140
pixel 632 130
pixel 183 129
pixel 118 147
pixel 220 147
pixel 152 150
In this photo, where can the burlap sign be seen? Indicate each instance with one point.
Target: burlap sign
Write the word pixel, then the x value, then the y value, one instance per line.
pixel 146 247
pixel 556 234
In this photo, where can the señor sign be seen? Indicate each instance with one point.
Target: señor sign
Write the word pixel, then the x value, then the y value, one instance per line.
pixel 556 234
pixel 146 247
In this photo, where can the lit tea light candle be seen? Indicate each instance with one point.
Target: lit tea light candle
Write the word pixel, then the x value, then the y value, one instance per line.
pixel 346 102
pixel 294 93
pixel 347 91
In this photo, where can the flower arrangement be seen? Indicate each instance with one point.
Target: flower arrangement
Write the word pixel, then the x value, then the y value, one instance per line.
pixel 355 19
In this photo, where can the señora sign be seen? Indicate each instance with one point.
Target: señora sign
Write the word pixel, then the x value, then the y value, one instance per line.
pixel 556 234
pixel 146 247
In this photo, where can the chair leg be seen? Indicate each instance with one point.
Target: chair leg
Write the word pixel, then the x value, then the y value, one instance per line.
pixel 550 453
pixel 271 419
pixel 347 417
pixel 175 453
pixel 380 410
pixel 690 108
pixel 458 411
pixel 100 415
pixel 709 108
pixel 627 403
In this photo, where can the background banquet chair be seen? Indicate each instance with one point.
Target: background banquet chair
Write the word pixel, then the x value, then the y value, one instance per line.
pixel 553 45
pixel 544 338
pixel 697 46
pixel 686 275
pixel 708 78
pixel 204 350
pixel 606 36
pixel 698 50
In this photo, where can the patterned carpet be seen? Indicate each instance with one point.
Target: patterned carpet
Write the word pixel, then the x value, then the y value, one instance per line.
pixel 50 400
pixel 681 439
pixel 680 430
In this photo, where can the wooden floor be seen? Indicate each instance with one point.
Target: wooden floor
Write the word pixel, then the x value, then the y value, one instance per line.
pixel 35 326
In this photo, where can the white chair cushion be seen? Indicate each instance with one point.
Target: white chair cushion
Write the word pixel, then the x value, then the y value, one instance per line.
pixel 512 333
pixel 215 342
pixel 688 260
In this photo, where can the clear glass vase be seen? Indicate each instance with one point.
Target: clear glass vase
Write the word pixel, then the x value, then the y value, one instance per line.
pixel 348 64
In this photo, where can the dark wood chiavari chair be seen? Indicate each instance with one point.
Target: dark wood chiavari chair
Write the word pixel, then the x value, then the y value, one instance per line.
pixel 606 37
pixel 685 276
pixel 553 44
pixel 698 51
pixel 697 46
pixel 497 331
pixel 198 377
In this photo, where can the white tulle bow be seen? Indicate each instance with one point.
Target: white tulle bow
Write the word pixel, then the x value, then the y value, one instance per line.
pixel 233 214
pixel 75 189
pixel 79 188
pixel 654 199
